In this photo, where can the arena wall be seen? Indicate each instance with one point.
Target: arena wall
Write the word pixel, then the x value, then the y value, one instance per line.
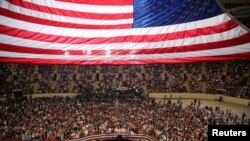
pixel 47 95
pixel 213 97
pixel 53 94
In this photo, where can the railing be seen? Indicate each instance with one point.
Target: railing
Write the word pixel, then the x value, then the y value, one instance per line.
pixel 114 136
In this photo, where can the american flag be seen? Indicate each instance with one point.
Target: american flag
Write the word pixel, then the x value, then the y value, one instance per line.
pixel 92 32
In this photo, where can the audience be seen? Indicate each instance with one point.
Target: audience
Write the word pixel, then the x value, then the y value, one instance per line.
pixel 5 80
pixel 155 81
pixel 110 99
pixel 45 78
pixel 23 78
pixel 175 77
pixel 65 118
pixel 194 76
pixel 229 77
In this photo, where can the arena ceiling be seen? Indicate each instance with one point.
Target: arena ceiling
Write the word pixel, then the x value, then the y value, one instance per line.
pixel 240 9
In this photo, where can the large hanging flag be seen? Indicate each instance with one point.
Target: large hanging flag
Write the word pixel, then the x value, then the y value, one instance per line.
pixel 118 32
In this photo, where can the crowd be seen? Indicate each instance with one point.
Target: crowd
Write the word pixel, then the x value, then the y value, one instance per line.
pixel 5 82
pixel 214 76
pixel 194 76
pixel 176 78
pixel 65 118
pixel 110 99
pixel 228 77
pixel 45 79
pixel 238 77
pixel 155 81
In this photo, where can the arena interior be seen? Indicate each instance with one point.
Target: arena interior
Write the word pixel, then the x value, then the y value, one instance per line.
pixel 153 102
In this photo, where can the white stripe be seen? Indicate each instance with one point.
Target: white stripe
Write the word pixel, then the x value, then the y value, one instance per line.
pixel 233 33
pixel 213 52
pixel 111 33
pixel 84 7
pixel 59 18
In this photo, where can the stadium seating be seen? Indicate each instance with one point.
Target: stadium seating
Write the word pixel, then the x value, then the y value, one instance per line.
pixel 230 78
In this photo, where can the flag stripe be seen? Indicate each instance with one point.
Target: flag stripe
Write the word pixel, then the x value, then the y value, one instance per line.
pixel 126 62
pixel 70 32
pixel 118 32
pixel 201 53
pixel 197 47
pixel 90 8
pixel 101 2
pixel 137 39
pixel 30 19
pixel 230 34
pixel 69 13
pixel 59 18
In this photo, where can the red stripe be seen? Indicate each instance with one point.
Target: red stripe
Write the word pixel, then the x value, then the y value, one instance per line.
pixel 71 13
pixel 5 47
pixel 101 2
pixel 119 39
pixel 197 47
pixel 220 44
pixel 126 62
pixel 76 52
pixel 22 17
pixel 98 52
pixel 20 49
